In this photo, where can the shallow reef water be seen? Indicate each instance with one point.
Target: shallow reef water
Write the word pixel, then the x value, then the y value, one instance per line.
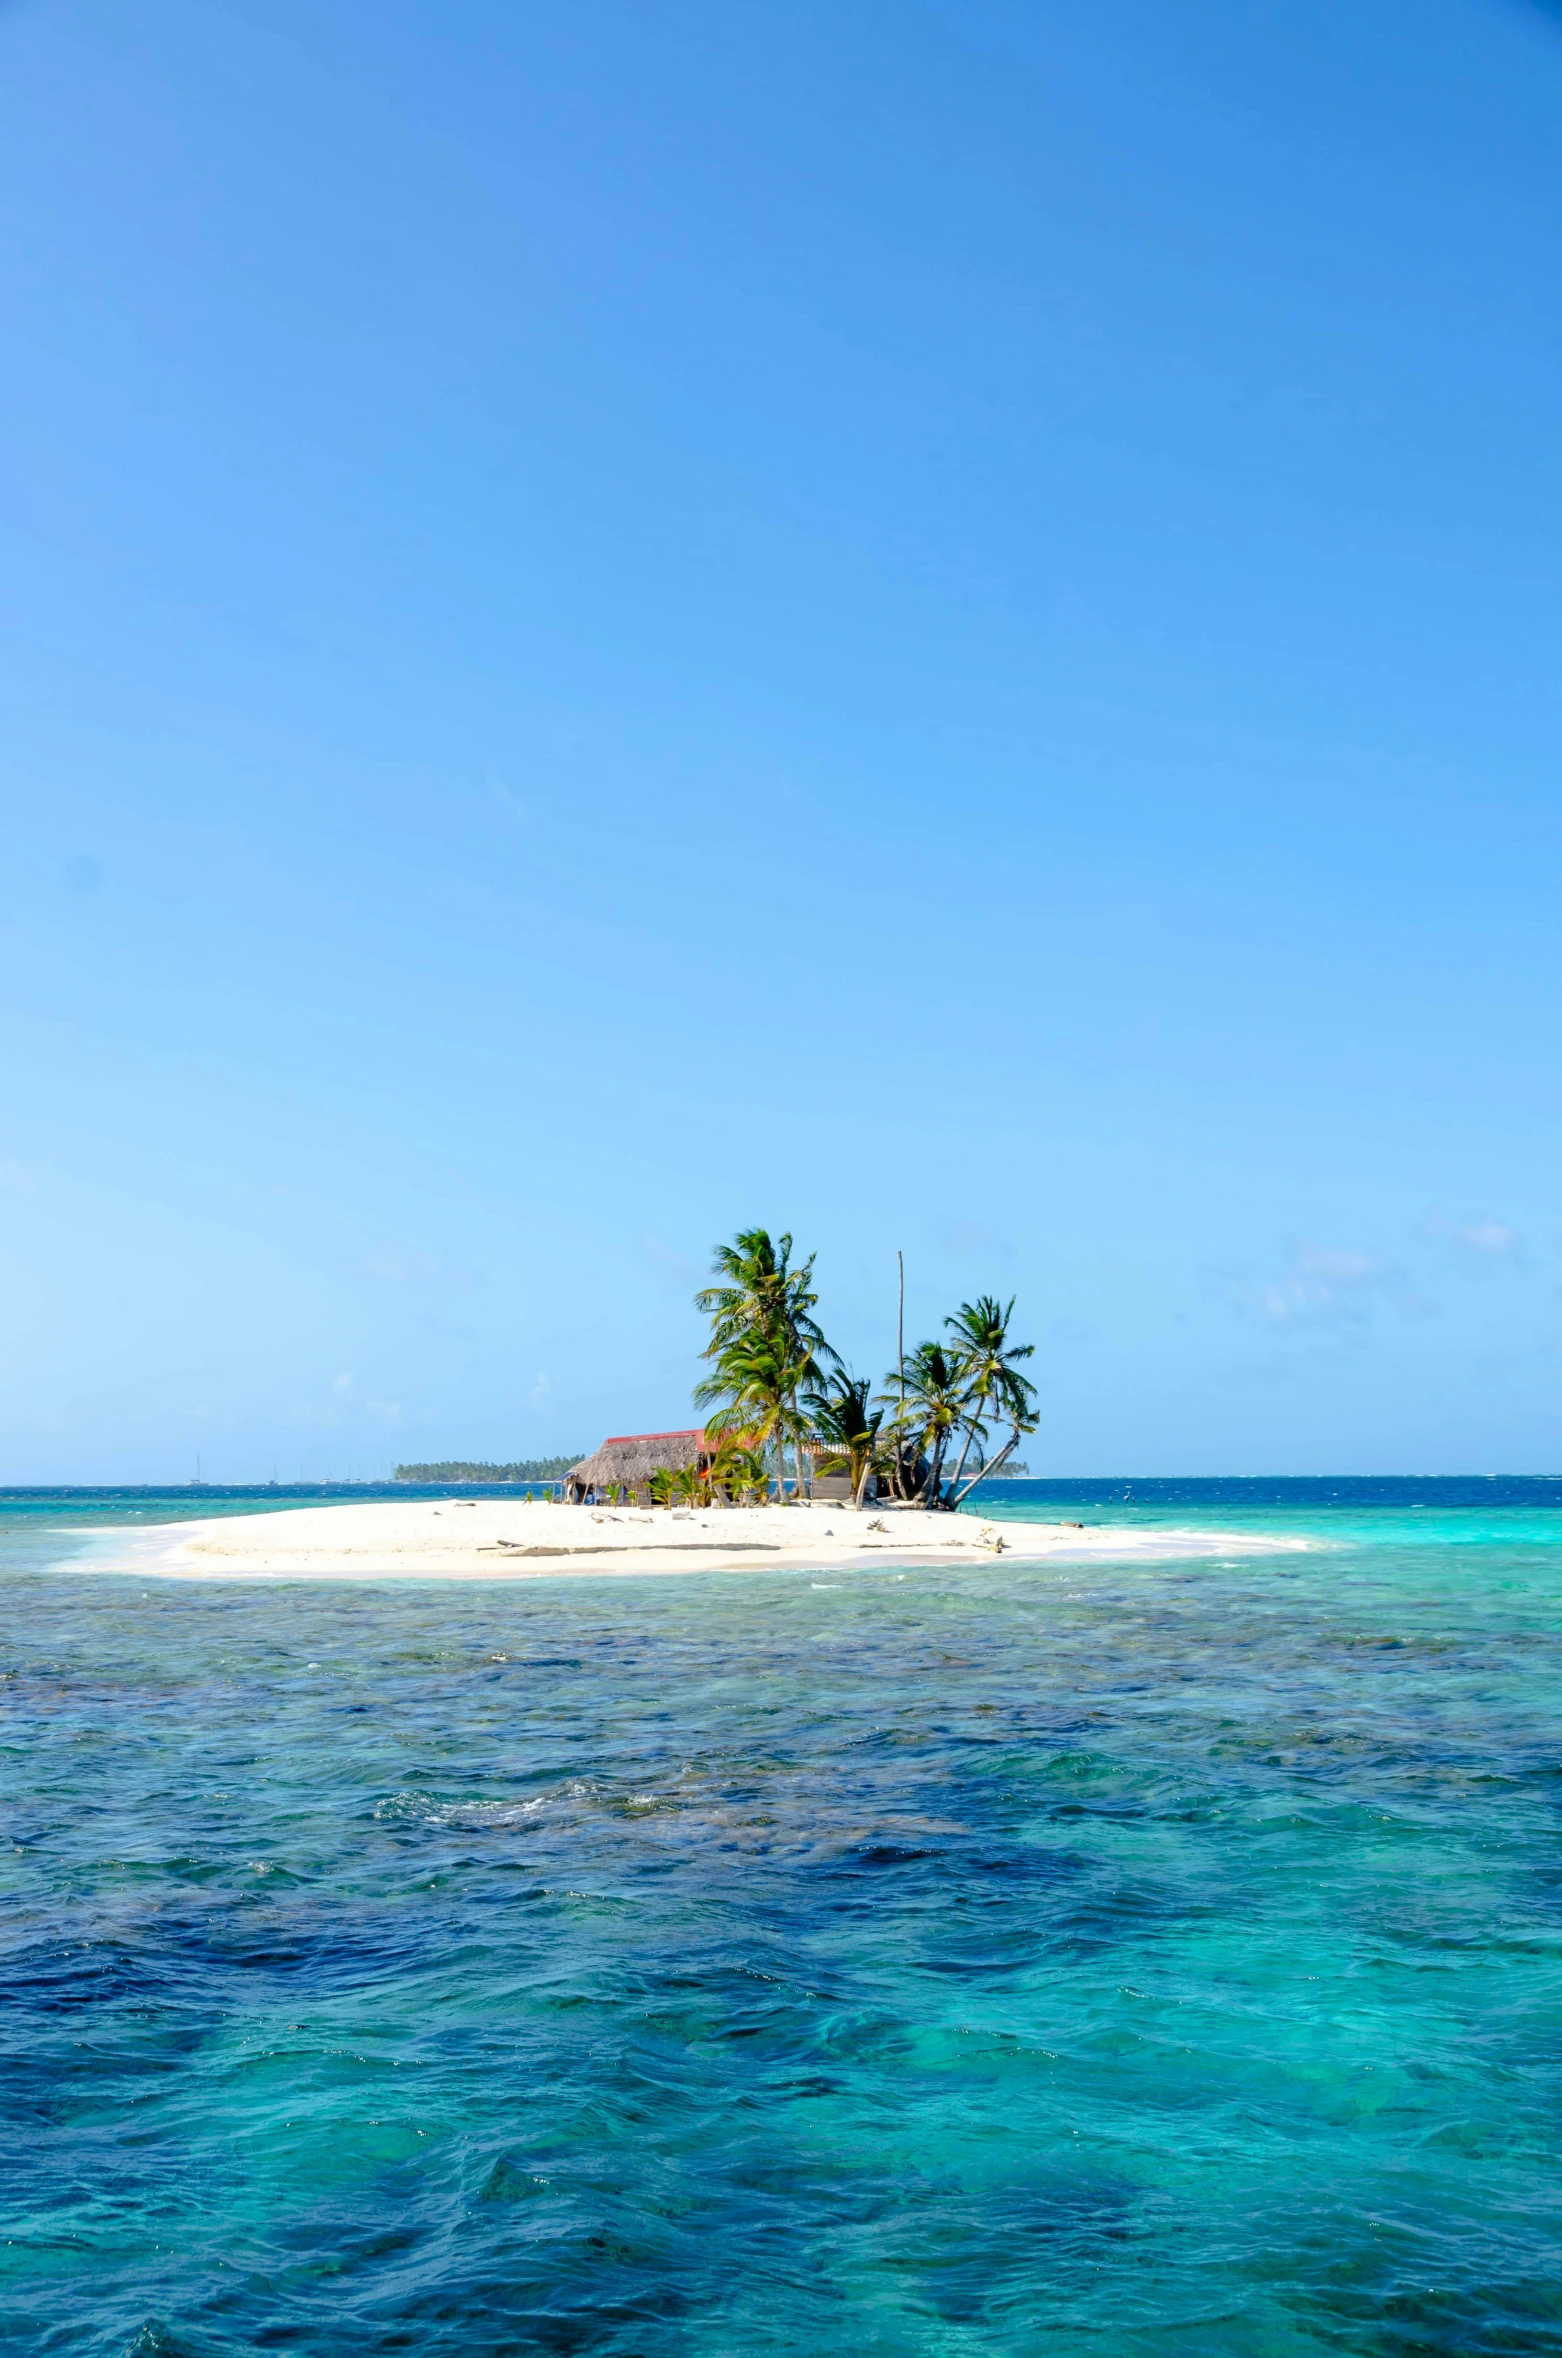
pixel 1079 1958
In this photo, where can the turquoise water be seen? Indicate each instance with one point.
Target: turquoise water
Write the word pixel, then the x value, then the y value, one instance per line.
pixel 1003 1960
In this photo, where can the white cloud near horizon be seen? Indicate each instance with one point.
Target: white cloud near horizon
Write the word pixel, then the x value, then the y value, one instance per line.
pixel 1484 1241
pixel 1325 1285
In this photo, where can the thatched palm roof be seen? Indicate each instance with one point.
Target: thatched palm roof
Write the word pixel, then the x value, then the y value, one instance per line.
pixel 635 1457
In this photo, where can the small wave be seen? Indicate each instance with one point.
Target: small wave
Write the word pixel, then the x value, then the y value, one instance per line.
pixel 467 1817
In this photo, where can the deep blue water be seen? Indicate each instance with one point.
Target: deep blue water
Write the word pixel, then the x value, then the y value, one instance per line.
pixel 1068 1959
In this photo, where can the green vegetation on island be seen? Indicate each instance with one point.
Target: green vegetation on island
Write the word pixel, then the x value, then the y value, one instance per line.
pixel 785 1415
pixel 456 1469
pixel 777 1387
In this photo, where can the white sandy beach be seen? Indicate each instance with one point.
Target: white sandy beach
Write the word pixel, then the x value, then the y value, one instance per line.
pixel 510 1539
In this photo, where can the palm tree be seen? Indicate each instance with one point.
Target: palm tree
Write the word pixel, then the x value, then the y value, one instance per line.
pixel 764 1303
pixel 988 1365
pixel 736 1470
pixel 752 1396
pixel 843 1417
pixel 934 1405
pixel 749 1477
pixel 762 1289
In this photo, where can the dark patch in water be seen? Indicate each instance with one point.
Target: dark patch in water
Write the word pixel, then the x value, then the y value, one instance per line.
pixel 1087 1963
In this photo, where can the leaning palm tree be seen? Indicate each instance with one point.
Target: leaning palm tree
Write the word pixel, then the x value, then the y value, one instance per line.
pixel 842 1416
pixel 931 1410
pixel 995 1388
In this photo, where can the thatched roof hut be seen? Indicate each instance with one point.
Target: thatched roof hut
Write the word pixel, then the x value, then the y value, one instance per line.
pixel 632 1458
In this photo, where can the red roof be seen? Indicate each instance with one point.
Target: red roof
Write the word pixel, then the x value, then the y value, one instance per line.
pixel 688 1433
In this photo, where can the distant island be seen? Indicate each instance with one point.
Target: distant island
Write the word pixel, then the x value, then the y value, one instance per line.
pixel 457 1469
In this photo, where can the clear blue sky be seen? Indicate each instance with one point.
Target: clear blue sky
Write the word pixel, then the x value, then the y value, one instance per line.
pixel 933 624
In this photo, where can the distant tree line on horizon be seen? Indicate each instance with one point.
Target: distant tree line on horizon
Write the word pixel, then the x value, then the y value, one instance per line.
pixel 460 1469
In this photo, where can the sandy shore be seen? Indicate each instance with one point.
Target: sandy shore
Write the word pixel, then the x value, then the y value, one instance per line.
pixel 512 1540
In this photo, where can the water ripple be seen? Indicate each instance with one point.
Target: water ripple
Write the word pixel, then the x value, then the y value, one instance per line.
pixel 1083 1960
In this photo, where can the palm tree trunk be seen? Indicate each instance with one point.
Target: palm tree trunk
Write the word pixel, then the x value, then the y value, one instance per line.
pixel 977 1406
pixel 991 1467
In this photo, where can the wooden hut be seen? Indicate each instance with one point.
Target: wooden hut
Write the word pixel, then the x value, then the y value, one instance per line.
pixel 631 1459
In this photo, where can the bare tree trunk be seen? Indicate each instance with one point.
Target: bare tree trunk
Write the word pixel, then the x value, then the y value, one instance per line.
pixel 904 1488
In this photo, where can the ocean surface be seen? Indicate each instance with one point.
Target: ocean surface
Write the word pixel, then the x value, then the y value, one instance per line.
pixel 999 1960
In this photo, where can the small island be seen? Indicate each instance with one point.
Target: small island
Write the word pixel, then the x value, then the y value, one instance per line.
pixel 799 1462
